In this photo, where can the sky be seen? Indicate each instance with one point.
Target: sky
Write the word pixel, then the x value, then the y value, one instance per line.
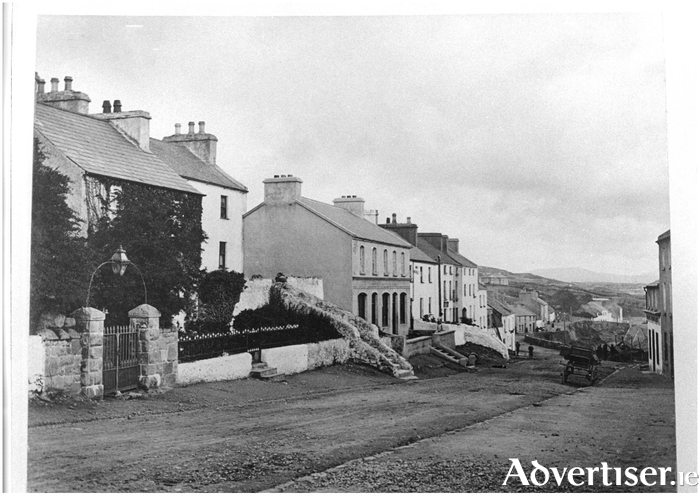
pixel 537 140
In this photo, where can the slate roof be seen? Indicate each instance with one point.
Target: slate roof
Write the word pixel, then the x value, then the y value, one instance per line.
pixel 100 149
pixel 464 261
pixel 418 255
pixel 433 253
pixel 352 224
pixel 189 166
pixel 500 307
pixel 522 310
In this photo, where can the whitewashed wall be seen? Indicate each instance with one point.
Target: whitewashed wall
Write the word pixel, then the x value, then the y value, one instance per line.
pixel 36 363
pixel 223 368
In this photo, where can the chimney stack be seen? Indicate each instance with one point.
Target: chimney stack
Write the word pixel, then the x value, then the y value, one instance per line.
pixel 134 123
pixel 40 83
pixel 282 190
pixel 408 220
pixel 352 204
pixel 73 101
pixel 453 244
pixel 201 144
pixel 393 218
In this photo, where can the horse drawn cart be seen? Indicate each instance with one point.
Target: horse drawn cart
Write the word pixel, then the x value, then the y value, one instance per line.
pixel 580 362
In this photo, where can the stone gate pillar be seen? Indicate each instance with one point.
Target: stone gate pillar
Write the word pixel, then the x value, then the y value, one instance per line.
pixel 89 322
pixel 157 348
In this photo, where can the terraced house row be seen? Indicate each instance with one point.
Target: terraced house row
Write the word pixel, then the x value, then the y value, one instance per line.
pixel 389 274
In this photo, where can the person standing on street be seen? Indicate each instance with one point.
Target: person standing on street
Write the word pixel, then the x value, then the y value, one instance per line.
pixel 517 348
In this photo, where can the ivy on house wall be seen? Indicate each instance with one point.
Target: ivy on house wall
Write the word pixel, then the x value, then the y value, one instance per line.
pixel 61 263
pixel 161 231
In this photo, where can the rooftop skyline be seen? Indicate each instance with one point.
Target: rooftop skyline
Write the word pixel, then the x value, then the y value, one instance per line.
pixel 538 140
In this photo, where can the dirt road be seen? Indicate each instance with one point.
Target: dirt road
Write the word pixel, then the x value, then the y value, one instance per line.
pixel 459 430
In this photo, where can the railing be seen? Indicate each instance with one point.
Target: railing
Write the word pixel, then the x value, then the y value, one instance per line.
pixel 192 348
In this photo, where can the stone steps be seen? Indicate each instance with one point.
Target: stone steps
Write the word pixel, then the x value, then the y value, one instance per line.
pixel 449 355
pixel 265 373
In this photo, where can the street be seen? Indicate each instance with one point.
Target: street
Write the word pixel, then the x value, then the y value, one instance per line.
pixel 351 429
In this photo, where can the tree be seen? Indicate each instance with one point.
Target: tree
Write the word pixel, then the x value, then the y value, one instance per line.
pixel 161 231
pixel 60 260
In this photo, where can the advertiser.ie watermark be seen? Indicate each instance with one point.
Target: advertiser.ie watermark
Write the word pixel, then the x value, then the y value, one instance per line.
pixel 606 475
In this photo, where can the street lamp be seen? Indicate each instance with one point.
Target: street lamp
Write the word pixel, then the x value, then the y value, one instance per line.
pixel 119 262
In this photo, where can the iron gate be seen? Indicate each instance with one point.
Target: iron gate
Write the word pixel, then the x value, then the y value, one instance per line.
pixel 120 363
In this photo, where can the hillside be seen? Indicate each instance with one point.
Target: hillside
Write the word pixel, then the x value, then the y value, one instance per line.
pixel 570 297
pixel 576 274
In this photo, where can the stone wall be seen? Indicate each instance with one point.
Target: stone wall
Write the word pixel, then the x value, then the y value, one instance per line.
pixel 417 346
pixel 445 338
pixel 158 349
pixel 62 353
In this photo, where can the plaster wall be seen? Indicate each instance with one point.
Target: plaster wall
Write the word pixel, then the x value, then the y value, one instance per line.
pixel 427 290
pixel 228 230
pixel 288 238
pixel 288 359
pixel 75 200
pixel 223 368
pixel 417 346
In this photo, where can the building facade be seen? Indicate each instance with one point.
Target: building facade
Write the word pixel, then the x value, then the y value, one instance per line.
pixel 365 269
pixel 666 301
pixel 193 156
pixel 654 334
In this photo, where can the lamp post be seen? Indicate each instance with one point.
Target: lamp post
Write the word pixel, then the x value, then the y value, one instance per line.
pixel 119 262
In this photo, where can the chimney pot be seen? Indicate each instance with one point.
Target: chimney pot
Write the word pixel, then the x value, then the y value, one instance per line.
pixel 177 128
pixel 117 106
pixel 54 85
pixel 40 86
pixel 69 83
pixel 201 127
pixel 388 220
pixel 408 220
pixel 393 218
pixel 191 128
pixel 106 107
pixel 276 175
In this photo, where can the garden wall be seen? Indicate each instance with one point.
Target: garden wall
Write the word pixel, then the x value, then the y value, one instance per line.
pixel 287 359
pixel 62 355
pixel 417 346
pixel 223 368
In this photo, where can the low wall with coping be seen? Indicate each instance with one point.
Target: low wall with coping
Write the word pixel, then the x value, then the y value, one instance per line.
pixel 223 368
pixel 422 325
pixel 417 346
pixel 63 356
pixel 287 359
pixel 445 338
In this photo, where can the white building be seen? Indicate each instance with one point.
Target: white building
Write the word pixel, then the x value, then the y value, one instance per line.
pixel 193 157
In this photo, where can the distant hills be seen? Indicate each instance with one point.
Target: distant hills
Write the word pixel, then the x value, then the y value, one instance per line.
pixel 575 274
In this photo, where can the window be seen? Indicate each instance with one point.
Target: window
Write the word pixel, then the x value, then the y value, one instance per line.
pixel 444 269
pixel 224 207
pixel 402 308
pixel 450 270
pixel 420 308
pixel 465 290
pixel 385 309
pixel 362 259
pixel 394 269
pixel 430 304
pixel 374 308
pixel 374 261
pixel 222 255
pixel 470 290
pixel 403 263
pixel 430 275
pixel 386 262
pixel 421 274
pixel 362 305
